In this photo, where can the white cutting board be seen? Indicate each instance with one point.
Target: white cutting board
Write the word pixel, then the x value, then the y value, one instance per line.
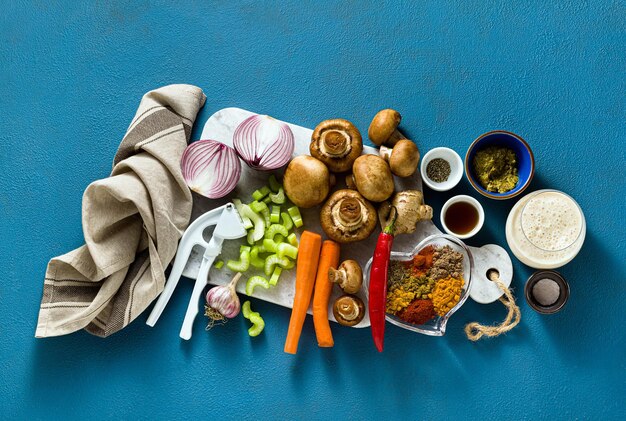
pixel 221 126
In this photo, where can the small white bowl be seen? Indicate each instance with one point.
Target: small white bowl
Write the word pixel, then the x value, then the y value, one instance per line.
pixel 456 168
pixel 463 198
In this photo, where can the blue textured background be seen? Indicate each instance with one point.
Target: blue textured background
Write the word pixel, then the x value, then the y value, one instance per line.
pixel 72 76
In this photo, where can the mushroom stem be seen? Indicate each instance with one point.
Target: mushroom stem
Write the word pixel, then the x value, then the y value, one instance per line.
pixel 335 143
pixel 337 276
pixel 385 152
pixel 350 212
pixel 350 182
pixel 395 137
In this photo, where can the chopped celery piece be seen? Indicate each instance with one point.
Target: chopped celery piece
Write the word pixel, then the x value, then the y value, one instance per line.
pixel 261 193
pixel 293 240
pixel 261 208
pixel 242 264
pixel 287 222
pixel 275 275
pixel 287 250
pixel 288 264
pixel 257 206
pixel 278 198
pixel 270 245
pixel 274 229
pixel 259 223
pixel 275 215
pixel 255 318
pixel 218 264
pixel 246 310
pixel 244 248
pixel 255 260
pixel 250 237
pixel 256 281
pixel 267 200
pixel 258 324
pixel 296 217
pixel 274 184
pixel 272 261
pixel 278 238
pixel 247 223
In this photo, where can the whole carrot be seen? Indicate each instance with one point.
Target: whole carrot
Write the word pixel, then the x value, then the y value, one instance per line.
pixel 306 269
pixel 329 258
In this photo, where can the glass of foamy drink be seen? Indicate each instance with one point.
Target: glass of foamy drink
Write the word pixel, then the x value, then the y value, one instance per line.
pixel 546 229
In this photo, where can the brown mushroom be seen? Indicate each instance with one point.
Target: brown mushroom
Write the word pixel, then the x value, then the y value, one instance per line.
pixel 347 217
pixel 373 178
pixel 402 158
pixel 348 275
pixel 383 128
pixel 411 209
pixel 337 143
pixel 306 181
pixel 348 310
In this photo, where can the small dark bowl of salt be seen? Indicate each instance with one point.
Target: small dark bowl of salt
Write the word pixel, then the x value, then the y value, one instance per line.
pixel 546 291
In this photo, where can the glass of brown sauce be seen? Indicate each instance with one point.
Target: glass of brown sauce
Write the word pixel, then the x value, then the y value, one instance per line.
pixel 462 216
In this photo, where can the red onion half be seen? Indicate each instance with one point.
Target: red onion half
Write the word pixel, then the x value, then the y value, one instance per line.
pixel 263 143
pixel 210 168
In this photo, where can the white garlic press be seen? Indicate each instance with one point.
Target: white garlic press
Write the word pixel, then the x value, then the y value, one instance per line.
pixel 228 226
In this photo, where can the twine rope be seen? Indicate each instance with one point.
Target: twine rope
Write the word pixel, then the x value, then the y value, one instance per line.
pixel 475 330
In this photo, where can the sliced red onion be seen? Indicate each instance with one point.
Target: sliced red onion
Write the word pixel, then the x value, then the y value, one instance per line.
pixel 210 168
pixel 263 143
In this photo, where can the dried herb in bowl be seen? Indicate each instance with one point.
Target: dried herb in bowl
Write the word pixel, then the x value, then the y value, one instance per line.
pixel 496 168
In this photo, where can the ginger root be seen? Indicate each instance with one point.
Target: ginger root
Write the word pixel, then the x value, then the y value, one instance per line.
pixel 411 209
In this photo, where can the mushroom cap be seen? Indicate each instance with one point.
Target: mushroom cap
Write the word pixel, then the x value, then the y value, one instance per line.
pixel 337 143
pixel 383 125
pixel 373 178
pixel 404 158
pixel 306 181
pixel 347 217
pixel 348 310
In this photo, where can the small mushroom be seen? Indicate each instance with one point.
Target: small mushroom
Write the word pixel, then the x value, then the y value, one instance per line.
pixel 348 310
pixel 373 178
pixel 347 217
pixel 337 143
pixel 348 275
pixel 402 158
pixel 306 181
pixel 383 128
pixel 350 182
pixel 411 209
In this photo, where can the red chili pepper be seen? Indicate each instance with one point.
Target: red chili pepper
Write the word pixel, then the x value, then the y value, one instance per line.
pixel 378 282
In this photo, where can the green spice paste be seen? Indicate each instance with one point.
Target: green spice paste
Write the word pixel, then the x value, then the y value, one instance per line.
pixel 496 168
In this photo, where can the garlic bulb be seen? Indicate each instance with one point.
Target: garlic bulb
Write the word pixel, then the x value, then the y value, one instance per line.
pixel 222 301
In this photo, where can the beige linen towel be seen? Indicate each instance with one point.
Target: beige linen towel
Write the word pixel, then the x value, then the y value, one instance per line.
pixel 132 222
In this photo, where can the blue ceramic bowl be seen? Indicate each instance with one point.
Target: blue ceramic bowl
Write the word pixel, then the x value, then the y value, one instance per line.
pixel 525 161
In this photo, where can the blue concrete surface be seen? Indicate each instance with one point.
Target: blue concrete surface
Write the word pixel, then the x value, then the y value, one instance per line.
pixel 71 77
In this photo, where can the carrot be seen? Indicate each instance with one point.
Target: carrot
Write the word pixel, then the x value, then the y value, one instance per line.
pixel 329 258
pixel 306 268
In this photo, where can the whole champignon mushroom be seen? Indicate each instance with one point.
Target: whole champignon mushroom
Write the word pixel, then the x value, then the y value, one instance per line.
pixel 383 128
pixel 337 143
pixel 373 178
pixel 348 310
pixel 306 181
pixel 402 158
pixel 411 209
pixel 348 275
pixel 347 217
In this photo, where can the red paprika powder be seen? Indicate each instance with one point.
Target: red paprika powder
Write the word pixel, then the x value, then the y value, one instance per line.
pixel 418 312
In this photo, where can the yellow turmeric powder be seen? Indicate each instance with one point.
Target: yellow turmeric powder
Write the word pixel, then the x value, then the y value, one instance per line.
pixel 446 294
pixel 398 299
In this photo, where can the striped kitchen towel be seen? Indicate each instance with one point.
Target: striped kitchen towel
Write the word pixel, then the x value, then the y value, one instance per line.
pixel 132 222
